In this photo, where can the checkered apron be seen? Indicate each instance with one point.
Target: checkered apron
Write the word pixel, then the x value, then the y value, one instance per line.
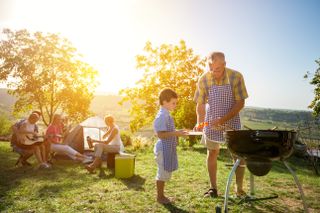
pixel 169 150
pixel 220 100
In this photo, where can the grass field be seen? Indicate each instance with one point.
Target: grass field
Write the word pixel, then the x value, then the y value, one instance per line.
pixel 67 187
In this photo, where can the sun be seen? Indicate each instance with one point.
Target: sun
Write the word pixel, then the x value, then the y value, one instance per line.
pixel 102 31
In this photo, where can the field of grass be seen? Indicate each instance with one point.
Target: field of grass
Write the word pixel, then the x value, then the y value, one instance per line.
pixel 265 124
pixel 67 187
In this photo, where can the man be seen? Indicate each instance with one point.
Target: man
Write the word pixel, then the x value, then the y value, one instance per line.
pixel 224 91
pixel 28 140
pixel 25 154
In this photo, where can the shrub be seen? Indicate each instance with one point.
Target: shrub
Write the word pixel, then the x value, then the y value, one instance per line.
pixel 183 143
pixel 192 140
pixel 5 126
pixel 188 142
pixel 126 137
pixel 141 143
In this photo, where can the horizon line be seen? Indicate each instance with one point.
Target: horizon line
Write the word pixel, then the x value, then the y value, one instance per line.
pixel 110 93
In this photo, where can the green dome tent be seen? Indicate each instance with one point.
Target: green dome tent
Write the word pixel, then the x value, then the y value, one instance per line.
pixel 94 127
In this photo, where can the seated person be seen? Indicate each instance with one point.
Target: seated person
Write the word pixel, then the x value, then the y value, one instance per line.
pixel 54 136
pixel 27 138
pixel 25 154
pixel 112 144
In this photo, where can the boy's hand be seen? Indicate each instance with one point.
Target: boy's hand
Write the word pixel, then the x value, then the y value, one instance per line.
pixel 182 132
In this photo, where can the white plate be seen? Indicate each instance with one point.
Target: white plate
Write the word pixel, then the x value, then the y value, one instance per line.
pixel 195 133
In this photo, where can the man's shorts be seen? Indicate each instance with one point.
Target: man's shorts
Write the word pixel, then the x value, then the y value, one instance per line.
pixel 162 174
pixel 211 145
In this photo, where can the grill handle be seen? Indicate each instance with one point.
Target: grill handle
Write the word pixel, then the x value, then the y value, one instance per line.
pixel 260 135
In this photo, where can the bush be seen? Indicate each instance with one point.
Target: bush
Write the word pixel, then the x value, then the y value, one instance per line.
pixel 188 142
pixel 5 126
pixel 126 137
pixel 141 143
pixel 183 143
pixel 192 140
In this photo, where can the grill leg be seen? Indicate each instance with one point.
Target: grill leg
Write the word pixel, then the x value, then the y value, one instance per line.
pixel 247 198
pixel 226 195
pixel 299 186
pixel 251 185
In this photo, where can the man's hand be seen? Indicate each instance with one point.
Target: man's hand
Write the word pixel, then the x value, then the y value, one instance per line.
pixel 199 127
pixel 201 111
pixel 218 122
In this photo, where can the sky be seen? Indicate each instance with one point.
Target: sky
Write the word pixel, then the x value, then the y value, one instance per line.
pixel 272 43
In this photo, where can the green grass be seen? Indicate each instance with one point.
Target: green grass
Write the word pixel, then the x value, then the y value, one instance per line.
pixel 67 187
pixel 265 124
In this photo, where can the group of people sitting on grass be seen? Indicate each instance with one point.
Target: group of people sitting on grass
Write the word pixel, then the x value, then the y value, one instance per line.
pixel 27 141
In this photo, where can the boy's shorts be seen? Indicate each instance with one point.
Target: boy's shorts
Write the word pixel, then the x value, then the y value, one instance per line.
pixel 162 174
pixel 211 145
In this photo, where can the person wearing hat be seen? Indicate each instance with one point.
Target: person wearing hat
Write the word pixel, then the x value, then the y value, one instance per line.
pixel 220 95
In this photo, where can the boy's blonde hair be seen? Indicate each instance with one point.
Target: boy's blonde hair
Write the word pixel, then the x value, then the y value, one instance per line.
pixel 109 118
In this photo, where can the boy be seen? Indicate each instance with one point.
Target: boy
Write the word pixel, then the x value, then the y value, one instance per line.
pixel 165 148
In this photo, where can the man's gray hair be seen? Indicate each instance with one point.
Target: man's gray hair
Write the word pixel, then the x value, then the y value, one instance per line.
pixel 213 55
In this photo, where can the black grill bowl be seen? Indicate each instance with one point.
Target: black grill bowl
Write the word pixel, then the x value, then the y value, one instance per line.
pixel 260 147
pixel 267 145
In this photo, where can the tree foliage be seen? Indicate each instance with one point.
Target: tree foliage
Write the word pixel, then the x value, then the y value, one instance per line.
pixel 315 104
pixel 46 73
pixel 173 66
pixel 5 125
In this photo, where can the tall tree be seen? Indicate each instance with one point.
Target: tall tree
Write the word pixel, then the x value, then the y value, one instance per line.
pixel 45 72
pixel 315 104
pixel 174 66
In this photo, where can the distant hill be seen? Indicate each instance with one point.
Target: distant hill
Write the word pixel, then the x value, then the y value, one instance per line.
pixel 108 104
pixel 276 115
pixel 100 103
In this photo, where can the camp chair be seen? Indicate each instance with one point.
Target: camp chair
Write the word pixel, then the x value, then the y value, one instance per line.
pixel 24 154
